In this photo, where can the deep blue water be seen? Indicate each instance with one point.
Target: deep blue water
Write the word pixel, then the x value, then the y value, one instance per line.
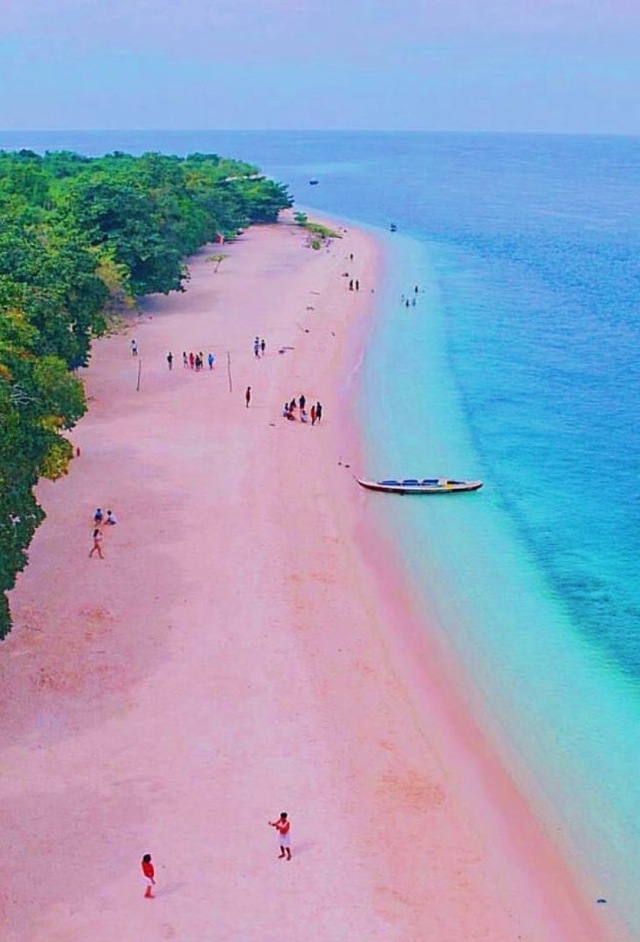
pixel 518 364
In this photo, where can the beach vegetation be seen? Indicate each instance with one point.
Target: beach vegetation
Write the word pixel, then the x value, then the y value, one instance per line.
pixel 80 240
pixel 318 232
pixel 323 232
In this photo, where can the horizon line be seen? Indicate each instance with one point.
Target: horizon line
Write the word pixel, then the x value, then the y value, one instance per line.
pixel 520 133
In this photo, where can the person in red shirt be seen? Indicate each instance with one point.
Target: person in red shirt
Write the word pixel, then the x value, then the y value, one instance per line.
pixel 149 875
pixel 283 827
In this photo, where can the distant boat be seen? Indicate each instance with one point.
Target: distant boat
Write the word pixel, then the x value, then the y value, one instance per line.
pixel 313 182
pixel 393 227
pixel 426 486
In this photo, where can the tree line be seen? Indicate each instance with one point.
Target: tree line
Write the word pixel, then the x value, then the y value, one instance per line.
pixel 80 238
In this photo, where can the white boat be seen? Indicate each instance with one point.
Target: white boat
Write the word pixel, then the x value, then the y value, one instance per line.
pixel 425 486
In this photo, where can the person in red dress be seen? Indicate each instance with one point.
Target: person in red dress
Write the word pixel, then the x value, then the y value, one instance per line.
pixel 149 875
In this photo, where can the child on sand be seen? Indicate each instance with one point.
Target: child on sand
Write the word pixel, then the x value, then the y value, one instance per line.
pixel 283 826
pixel 97 540
pixel 149 875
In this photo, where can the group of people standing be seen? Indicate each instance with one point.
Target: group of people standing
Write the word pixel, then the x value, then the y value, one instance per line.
pixel 410 301
pixel 100 521
pixel 289 410
pixel 193 361
pixel 259 347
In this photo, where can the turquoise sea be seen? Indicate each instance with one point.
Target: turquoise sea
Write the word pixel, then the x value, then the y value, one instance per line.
pixel 518 364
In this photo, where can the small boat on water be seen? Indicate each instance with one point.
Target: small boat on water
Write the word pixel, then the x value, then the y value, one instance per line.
pixel 393 227
pixel 426 486
pixel 313 182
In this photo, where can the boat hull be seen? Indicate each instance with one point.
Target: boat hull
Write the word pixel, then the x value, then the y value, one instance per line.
pixel 420 487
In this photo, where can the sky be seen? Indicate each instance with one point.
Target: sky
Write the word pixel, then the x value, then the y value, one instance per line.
pixel 567 66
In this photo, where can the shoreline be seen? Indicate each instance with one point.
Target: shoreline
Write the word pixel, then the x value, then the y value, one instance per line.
pixel 437 682
pixel 478 628
pixel 225 659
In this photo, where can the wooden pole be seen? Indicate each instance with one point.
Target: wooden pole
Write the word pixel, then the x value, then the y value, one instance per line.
pixel 229 371
pixel 139 375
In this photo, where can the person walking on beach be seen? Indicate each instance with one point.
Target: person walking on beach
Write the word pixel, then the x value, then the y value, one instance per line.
pixel 313 415
pixel 185 360
pixel 302 401
pixel 351 284
pixel 149 875
pixel 357 285
pixel 192 360
pixel 256 348
pixel 210 360
pixel 170 359
pixel 134 348
pixel 247 397
pixel 263 346
pixel 318 411
pixel 283 827
pixel 97 540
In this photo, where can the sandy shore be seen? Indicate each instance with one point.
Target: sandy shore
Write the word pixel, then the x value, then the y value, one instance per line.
pixel 244 649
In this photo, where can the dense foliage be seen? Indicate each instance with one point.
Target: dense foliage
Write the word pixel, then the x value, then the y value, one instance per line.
pixel 79 237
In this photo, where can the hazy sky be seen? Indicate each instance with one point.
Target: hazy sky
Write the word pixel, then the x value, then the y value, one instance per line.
pixel 545 65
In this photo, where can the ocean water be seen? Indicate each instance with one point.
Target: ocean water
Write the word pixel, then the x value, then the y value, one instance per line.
pixel 518 364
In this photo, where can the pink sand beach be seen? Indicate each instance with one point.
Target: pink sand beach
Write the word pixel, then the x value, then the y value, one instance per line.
pixel 246 647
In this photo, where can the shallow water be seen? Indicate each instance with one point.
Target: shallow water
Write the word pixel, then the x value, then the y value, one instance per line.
pixel 518 365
